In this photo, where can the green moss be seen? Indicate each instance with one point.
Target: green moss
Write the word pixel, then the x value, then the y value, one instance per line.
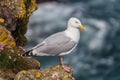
pixel 10 59
pixel 11 62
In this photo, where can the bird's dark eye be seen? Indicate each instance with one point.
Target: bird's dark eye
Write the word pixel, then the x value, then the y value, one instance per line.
pixel 76 22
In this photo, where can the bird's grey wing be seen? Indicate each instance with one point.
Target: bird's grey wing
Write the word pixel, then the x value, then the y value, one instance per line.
pixel 54 45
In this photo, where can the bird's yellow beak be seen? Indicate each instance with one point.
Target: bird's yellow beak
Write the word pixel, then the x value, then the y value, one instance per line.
pixel 83 28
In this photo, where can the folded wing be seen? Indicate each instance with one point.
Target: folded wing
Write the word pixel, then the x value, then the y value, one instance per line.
pixel 54 45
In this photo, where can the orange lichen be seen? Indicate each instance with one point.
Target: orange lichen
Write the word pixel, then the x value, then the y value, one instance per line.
pixel 6 38
pixel 2 20
pixel 14 17
pixel 16 14
pixel 47 74
pixel 38 63
pixel 23 72
pixel 33 70
pixel 38 75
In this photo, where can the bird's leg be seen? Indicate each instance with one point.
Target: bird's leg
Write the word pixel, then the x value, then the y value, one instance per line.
pixel 61 60
pixel 65 67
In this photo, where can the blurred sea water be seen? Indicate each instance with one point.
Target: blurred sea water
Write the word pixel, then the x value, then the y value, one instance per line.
pixel 97 55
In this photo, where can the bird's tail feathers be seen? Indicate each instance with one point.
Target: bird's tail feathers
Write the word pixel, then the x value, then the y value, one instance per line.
pixel 27 53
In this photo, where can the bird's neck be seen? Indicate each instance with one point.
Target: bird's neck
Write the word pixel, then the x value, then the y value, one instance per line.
pixel 73 33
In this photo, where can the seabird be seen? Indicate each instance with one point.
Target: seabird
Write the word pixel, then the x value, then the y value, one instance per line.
pixel 59 44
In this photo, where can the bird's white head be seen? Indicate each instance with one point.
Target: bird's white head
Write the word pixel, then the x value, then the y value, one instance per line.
pixel 75 23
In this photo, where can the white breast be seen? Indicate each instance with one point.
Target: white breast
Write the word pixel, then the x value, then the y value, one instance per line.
pixel 73 33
